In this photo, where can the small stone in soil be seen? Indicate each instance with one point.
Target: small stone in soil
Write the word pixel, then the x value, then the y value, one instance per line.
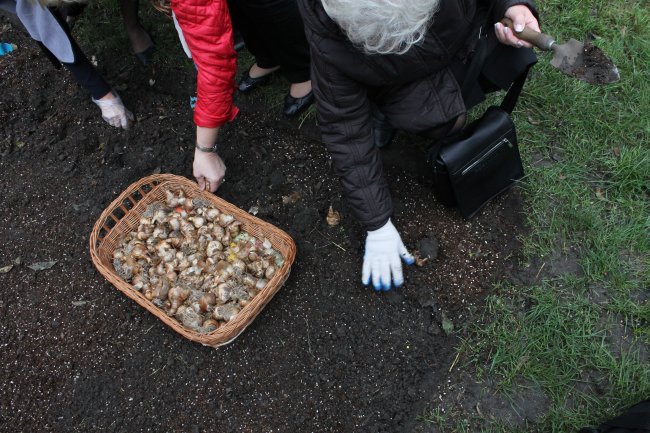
pixel 394 297
pixel 426 300
pixel 434 329
pixel 429 246
pixel 276 179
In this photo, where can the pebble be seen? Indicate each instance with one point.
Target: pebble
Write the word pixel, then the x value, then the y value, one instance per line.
pixel 394 297
pixel 276 179
pixel 426 300
pixel 429 246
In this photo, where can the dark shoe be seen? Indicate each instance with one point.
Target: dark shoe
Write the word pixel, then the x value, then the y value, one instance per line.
pixel 70 12
pixel 383 132
pixel 294 106
pixel 239 40
pixel 383 136
pixel 145 57
pixel 248 83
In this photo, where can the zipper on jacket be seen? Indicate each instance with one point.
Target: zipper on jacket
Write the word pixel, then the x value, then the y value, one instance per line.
pixel 485 155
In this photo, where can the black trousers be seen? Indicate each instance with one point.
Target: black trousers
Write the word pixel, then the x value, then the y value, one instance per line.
pixel 274 33
pixel 503 65
pixel 81 69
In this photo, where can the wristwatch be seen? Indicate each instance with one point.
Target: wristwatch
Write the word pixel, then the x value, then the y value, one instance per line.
pixel 212 149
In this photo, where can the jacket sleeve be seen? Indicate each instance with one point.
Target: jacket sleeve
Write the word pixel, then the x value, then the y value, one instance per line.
pixel 346 126
pixel 208 32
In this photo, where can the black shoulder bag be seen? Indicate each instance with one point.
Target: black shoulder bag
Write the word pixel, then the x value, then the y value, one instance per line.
pixel 635 420
pixel 482 161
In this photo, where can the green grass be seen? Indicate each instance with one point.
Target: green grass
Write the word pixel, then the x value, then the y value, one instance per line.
pixel 593 200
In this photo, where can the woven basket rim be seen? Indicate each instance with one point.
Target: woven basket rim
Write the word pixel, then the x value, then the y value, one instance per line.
pixel 100 245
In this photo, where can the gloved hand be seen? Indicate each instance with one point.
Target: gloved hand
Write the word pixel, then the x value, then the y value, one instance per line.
pixel 209 170
pixel 114 112
pixel 384 247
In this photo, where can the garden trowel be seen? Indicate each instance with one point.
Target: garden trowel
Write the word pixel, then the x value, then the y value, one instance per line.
pixel 583 61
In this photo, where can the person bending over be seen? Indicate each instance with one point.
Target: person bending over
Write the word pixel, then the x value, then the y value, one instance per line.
pixel 45 24
pixel 207 33
pixel 383 64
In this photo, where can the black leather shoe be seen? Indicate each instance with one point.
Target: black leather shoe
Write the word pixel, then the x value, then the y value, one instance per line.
pixel 146 56
pixel 248 83
pixel 294 106
pixel 382 131
pixel 383 136
pixel 239 40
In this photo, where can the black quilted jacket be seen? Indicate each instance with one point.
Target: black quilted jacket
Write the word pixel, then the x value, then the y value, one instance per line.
pixel 345 80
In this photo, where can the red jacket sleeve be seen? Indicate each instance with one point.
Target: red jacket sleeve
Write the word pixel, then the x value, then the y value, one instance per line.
pixel 208 32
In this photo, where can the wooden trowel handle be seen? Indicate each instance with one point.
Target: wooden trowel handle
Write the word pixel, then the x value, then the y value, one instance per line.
pixel 540 40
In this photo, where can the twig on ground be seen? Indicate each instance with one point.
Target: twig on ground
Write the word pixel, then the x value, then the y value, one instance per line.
pixel 455 361
pixel 308 339
pixel 333 243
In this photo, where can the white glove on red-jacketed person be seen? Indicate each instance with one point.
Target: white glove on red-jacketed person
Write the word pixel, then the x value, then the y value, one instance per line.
pixel 382 262
pixel 114 112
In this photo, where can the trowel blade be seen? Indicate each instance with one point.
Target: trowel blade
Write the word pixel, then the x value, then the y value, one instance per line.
pixel 585 62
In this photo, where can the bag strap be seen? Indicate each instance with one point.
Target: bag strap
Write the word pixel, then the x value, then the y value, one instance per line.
pixel 510 100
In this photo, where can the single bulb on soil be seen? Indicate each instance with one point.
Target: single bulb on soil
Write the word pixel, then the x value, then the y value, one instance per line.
pixel 333 217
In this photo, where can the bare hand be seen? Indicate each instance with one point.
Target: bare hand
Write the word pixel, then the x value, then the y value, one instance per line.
pixel 209 170
pixel 521 17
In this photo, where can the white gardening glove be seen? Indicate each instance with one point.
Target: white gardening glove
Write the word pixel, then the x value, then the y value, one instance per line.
pixel 384 247
pixel 114 112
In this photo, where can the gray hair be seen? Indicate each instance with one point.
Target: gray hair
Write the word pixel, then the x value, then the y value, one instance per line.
pixel 383 26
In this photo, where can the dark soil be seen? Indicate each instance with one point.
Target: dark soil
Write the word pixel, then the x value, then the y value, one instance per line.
pixel 326 355
pixel 593 66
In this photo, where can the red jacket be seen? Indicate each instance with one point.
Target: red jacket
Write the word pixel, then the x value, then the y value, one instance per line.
pixel 208 32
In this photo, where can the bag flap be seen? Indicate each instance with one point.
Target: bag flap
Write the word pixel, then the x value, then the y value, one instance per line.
pixel 493 126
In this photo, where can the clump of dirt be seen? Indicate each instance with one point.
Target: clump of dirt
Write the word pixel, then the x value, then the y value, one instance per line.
pixel 595 57
pixel 594 66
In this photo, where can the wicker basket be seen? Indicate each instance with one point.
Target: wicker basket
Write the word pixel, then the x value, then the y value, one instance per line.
pixel 123 216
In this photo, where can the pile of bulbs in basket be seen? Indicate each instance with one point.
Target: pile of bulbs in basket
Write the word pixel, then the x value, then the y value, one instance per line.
pixel 194 262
